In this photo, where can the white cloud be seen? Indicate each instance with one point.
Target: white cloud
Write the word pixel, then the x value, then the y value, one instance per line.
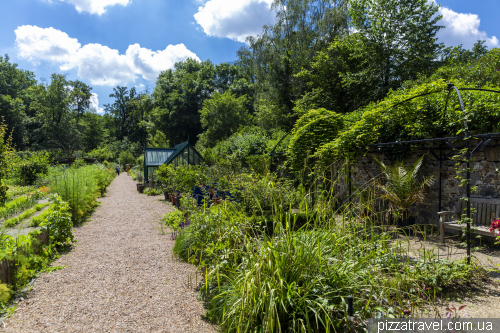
pixel 462 28
pixel 234 19
pixel 95 62
pixel 37 44
pixel 150 63
pixel 94 103
pixel 95 6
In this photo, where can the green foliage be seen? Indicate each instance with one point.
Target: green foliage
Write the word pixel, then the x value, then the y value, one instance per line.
pixel 281 50
pixel 152 191
pixel 180 93
pixel 395 119
pixel 5 150
pixel 80 186
pixel 218 232
pixel 402 36
pixel 247 142
pixel 174 219
pixel 341 78
pixel 36 221
pixel 445 274
pixel 17 205
pixel 31 257
pixel 182 178
pixel 263 195
pixel 394 43
pixel 58 221
pixel 18 190
pixel 221 116
pixel 104 154
pixel 126 157
pixel 454 55
pixel 27 213
pixel 297 281
pixel 403 188
pixel 5 293
pixel 159 140
pixel 165 174
pixel 310 132
pixel 33 167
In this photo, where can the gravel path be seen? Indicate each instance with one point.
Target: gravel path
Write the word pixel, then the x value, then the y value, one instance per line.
pixel 120 277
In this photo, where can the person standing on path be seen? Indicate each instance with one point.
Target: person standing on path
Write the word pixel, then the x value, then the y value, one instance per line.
pixel 118 170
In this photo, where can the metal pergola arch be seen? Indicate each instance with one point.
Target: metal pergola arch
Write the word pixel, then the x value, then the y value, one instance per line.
pixel 485 140
pixel 469 154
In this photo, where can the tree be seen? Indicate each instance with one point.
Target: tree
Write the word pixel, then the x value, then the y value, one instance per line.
pixel 5 150
pixel 59 126
pixel 401 34
pixel 142 107
pixel 121 111
pixel 14 87
pixel 179 95
pixel 80 96
pixel 302 29
pixel 221 116
pixel 94 130
pixel 394 43
pixel 457 54
pixel 342 78
pixel 159 140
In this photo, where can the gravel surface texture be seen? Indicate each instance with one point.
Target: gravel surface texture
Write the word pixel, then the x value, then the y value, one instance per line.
pixel 120 276
pixel 481 302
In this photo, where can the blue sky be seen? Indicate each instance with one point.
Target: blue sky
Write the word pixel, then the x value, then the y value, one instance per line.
pixel 129 42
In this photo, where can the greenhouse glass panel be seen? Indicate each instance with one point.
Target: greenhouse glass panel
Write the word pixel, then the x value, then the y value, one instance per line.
pixel 181 154
pixel 157 157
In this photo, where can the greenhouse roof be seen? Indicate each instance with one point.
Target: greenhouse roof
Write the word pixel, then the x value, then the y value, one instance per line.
pixel 157 156
pixel 178 149
pixel 182 154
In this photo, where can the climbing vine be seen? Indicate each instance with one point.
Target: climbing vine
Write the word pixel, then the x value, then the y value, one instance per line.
pixel 5 151
pixel 311 131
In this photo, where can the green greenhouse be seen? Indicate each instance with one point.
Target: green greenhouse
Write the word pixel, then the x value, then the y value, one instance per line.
pixel 182 154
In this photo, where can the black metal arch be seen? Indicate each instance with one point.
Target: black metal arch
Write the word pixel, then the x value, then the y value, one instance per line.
pixel 469 154
pixel 467 137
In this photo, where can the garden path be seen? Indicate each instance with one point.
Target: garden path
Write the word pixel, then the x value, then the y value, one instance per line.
pixel 120 276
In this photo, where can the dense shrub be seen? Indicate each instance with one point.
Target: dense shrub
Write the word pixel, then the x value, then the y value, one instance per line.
pixel 80 186
pixel 126 157
pixel 33 167
pixel 174 219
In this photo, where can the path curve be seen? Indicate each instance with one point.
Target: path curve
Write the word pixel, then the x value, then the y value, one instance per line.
pixel 120 277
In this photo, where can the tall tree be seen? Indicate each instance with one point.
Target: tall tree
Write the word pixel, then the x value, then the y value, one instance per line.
pixel 94 130
pixel 221 116
pixel 121 110
pixel 394 41
pixel 59 125
pixel 14 86
pixel 402 35
pixel 179 95
pixel 80 95
pixel 302 28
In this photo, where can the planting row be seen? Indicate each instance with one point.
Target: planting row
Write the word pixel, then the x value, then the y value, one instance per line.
pixel 275 257
pixel 24 256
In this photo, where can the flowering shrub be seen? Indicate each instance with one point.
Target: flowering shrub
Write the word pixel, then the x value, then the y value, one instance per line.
pixel 495 229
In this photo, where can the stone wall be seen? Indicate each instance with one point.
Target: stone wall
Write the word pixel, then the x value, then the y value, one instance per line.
pixel 486 176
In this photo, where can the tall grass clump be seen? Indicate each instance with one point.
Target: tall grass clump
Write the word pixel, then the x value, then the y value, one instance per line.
pixel 17 205
pixel 80 186
pixel 289 263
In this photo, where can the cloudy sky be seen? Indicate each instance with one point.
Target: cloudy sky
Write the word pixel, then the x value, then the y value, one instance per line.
pixel 106 43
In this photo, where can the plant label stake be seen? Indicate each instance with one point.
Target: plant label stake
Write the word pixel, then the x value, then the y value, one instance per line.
pixel 350 307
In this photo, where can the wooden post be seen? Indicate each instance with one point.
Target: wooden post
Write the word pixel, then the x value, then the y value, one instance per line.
pixel 441 229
